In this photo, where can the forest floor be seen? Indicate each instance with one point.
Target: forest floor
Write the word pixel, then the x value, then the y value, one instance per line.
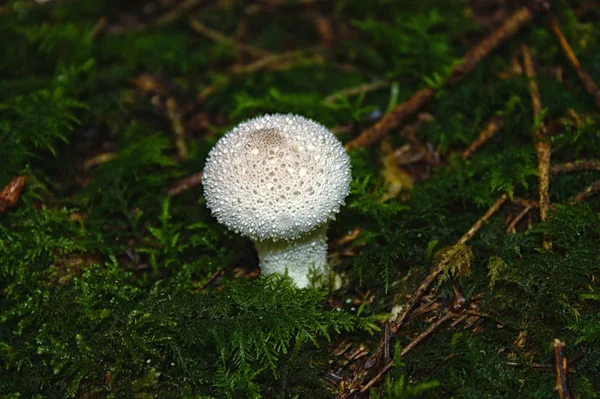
pixel 465 264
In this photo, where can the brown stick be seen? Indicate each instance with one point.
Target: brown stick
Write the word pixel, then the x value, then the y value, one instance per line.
pixel 574 166
pixel 561 368
pixel 348 387
pixel 185 184
pixel 491 128
pixel 588 192
pixel 178 129
pixel 517 219
pixel 352 91
pixel 221 38
pixel 541 143
pixel 589 85
pixel 475 228
pixel 401 112
pixel 430 330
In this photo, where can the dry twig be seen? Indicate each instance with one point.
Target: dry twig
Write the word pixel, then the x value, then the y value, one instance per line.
pixel 541 143
pixel 353 91
pixel 513 224
pixel 185 184
pixel 562 370
pixel 178 129
pixel 491 128
pixel 221 38
pixel 588 192
pixel 588 82
pixel 403 111
pixel 347 387
pixel 574 166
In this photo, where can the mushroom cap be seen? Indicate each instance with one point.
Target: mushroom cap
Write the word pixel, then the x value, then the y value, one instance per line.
pixel 276 177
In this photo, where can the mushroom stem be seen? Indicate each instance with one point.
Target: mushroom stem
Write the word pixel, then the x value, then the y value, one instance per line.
pixel 296 258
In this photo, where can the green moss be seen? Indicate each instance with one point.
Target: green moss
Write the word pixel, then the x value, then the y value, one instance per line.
pixel 112 287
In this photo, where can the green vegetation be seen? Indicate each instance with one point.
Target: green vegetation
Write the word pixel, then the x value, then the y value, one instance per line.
pixel 114 282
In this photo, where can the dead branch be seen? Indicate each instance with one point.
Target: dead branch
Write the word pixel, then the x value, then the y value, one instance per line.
pixel 574 166
pixel 347 387
pixel 588 83
pixel 588 192
pixel 562 370
pixel 491 128
pixel 221 38
pixel 541 143
pixel 473 57
pixel 185 184
pixel 353 91
pixel 178 129
pixel 513 224
pixel 475 228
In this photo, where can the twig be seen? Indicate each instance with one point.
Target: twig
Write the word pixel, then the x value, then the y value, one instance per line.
pixel 493 126
pixel 10 194
pixel 177 11
pixel 588 192
pixel 271 62
pixel 517 219
pixel 185 184
pixel 475 228
pixel 221 38
pixel 430 330
pixel 178 129
pixel 588 83
pixel 541 143
pixel 99 159
pixel 566 167
pixel 562 370
pixel 401 112
pixel 98 28
pixel 210 280
pixel 352 91
pixel 348 387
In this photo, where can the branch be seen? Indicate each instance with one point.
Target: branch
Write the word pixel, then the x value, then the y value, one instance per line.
pixel 588 83
pixel 585 164
pixel 541 143
pixel 185 184
pixel 493 126
pixel 403 111
pixel 349 387
pixel 562 370
pixel 221 38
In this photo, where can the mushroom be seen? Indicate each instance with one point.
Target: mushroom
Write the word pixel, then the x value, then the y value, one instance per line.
pixel 279 179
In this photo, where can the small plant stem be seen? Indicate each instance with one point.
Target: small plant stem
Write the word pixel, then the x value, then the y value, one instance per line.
pixel 185 184
pixel 561 368
pixel 574 166
pixel 589 191
pixel 540 140
pixel 511 227
pixel 403 111
pixel 353 91
pixel 348 387
pixel 422 336
pixel 223 39
pixel 491 128
pixel 178 129
pixel 475 228
pixel 588 83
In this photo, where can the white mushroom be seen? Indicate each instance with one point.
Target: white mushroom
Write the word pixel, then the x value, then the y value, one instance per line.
pixel 279 179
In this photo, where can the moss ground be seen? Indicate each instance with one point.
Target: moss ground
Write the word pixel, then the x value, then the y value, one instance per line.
pixel 115 281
